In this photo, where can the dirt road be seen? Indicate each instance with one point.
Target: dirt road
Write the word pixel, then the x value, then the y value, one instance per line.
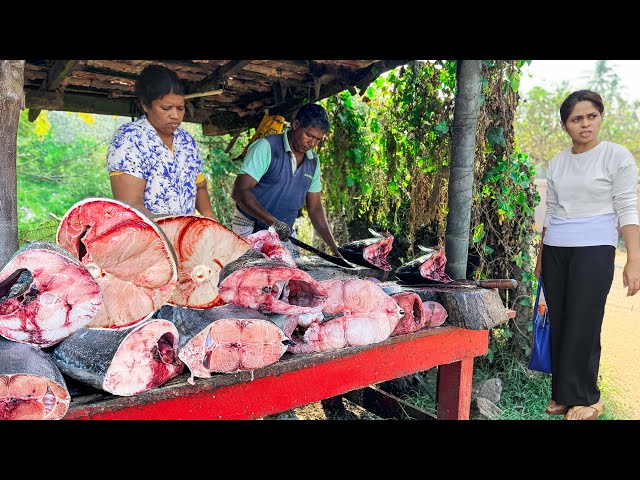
pixel 620 342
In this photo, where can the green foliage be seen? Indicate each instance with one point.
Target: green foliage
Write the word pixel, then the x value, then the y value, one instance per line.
pixel 60 160
pixel 385 159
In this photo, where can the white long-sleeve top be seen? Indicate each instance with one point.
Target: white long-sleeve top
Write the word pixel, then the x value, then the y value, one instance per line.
pixel 600 181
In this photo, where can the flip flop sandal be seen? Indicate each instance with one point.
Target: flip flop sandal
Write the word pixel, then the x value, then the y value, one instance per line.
pixel 598 410
pixel 557 411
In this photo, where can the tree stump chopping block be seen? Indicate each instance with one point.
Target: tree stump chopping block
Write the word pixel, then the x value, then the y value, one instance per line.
pixel 467 306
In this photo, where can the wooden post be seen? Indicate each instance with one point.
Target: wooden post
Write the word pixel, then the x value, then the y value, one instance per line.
pixel 11 102
pixel 465 123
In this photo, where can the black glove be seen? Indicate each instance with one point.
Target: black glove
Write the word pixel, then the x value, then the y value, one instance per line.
pixel 282 229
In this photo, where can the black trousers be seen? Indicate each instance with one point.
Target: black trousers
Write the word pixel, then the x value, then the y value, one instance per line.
pixel 577 281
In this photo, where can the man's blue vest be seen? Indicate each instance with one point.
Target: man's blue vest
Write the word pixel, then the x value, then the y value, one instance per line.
pixel 281 192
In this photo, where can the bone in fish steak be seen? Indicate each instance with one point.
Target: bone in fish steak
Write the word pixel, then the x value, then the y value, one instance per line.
pixel 122 362
pixel 203 247
pixel 45 295
pixel 129 256
pixel 31 386
pixel 225 339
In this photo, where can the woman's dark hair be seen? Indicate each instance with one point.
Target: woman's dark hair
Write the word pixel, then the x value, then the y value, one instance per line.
pixel 313 115
pixel 156 81
pixel 579 96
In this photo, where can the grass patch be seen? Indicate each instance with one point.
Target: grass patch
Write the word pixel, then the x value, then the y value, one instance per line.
pixel 525 393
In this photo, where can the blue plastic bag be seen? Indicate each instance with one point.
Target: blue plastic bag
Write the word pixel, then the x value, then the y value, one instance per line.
pixel 541 346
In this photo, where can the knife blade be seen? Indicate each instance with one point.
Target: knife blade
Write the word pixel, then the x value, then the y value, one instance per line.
pixel 335 260
pixel 502 283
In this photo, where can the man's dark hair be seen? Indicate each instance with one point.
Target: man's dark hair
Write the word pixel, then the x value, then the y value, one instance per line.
pixel 580 96
pixel 313 115
pixel 156 81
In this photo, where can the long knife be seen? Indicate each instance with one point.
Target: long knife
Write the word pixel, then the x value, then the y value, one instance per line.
pixel 330 258
pixel 503 283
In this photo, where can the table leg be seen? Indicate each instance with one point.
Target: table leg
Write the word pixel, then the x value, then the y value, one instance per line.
pixel 454 390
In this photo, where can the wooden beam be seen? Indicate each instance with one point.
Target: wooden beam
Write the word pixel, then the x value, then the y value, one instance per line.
pixel 213 81
pixel 58 72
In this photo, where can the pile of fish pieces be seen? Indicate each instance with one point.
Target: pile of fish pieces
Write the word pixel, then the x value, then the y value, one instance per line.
pixel 84 307
pixel 326 315
pixel 123 304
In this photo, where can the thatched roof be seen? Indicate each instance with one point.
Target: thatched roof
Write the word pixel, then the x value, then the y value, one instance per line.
pixel 225 96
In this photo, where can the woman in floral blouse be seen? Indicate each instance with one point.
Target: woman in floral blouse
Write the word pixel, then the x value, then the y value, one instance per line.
pixel 154 165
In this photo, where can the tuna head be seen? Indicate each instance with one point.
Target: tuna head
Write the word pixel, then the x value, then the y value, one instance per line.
pixel 270 285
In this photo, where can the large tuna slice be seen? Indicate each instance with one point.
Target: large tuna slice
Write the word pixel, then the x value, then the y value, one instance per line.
pixel 225 339
pixel 203 247
pixel 268 242
pixel 122 362
pixel 345 331
pixel 369 252
pixel 427 268
pixel 359 296
pixel 254 281
pixel 128 255
pixel 356 312
pixel 31 386
pixel 45 295
pixel 417 314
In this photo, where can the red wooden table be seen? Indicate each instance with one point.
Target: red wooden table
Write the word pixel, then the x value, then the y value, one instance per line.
pixel 301 379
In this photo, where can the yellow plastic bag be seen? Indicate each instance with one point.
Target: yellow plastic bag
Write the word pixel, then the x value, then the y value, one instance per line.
pixel 269 125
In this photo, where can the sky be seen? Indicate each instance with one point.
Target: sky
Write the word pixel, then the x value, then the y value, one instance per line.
pixel 546 73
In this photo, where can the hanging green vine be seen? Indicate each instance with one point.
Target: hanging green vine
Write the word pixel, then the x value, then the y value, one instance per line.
pixel 502 222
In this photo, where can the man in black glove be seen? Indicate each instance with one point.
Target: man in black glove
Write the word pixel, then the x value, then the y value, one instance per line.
pixel 279 175
pixel 282 229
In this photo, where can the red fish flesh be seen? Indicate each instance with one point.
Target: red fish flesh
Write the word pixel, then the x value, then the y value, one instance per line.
pixel 45 295
pixel 255 281
pixel 369 251
pixel 427 268
pixel 124 361
pixel 203 247
pixel 268 242
pixel 346 331
pixel 31 386
pixel 356 312
pixel 225 339
pixel 129 256
pixel 417 314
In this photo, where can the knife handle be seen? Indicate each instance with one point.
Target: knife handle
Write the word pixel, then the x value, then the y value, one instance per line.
pixel 506 283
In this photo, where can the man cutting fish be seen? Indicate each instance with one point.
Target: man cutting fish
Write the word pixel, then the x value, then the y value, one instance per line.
pixel 279 174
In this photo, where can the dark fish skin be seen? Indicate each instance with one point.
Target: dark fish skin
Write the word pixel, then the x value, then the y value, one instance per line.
pixel 18 357
pixel 354 251
pixel 248 259
pixel 123 362
pixel 410 272
pixel 87 354
pixel 190 322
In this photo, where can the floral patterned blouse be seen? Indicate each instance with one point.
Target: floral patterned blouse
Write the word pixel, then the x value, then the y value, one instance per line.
pixel 171 177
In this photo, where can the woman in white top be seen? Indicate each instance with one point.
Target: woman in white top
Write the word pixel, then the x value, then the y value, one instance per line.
pixel 591 189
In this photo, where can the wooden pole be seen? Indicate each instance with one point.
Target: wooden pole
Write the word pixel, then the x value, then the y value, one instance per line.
pixel 11 102
pixel 465 123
